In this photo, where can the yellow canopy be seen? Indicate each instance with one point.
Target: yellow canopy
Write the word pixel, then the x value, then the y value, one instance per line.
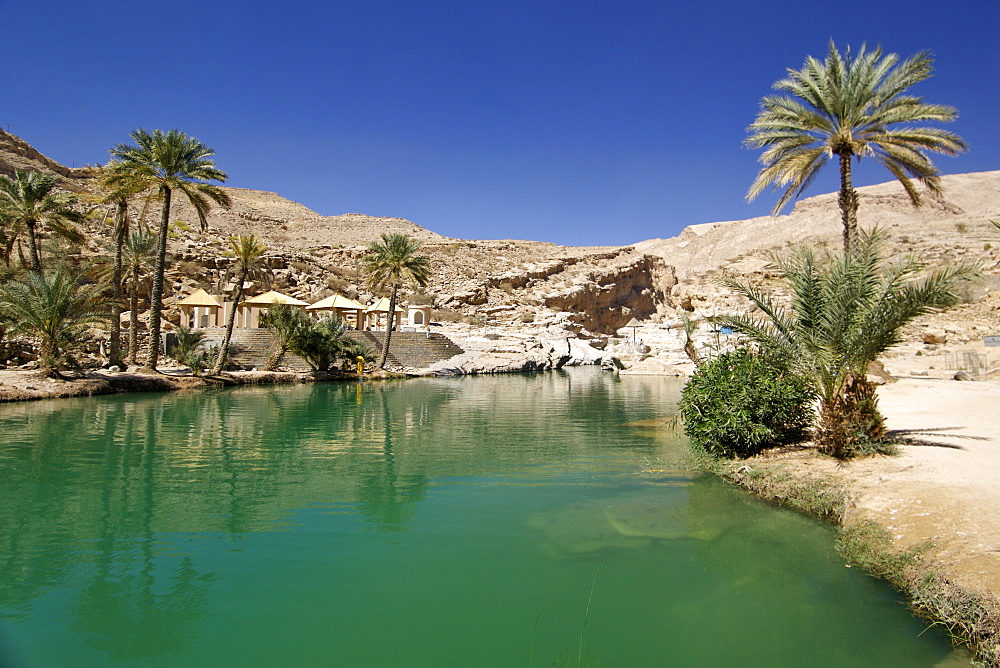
pixel 272 297
pixel 337 302
pixel 382 305
pixel 200 298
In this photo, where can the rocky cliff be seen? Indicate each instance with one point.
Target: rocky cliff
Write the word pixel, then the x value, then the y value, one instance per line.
pixel 585 291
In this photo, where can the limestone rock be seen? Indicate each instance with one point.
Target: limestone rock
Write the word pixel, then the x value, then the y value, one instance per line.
pixel 934 336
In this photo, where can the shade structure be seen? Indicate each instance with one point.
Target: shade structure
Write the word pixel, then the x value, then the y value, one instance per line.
pixel 271 298
pixel 383 306
pixel 200 309
pixel 200 298
pixel 634 324
pixel 377 314
pixel 336 303
pixel 347 309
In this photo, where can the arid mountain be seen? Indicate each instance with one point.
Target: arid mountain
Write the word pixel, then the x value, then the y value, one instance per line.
pixel 588 290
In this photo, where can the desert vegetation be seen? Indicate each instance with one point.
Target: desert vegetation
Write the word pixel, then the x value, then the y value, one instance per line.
pixel 846 107
pixel 845 311
pixel 388 265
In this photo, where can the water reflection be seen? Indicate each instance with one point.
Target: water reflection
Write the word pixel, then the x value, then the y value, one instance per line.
pixel 140 527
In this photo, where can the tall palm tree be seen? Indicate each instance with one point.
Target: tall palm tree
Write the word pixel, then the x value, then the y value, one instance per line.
pixel 30 200
pixel 248 259
pixel 116 191
pixel 165 162
pixel 53 309
pixel 850 107
pixel 138 260
pixel 846 311
pixel 389 264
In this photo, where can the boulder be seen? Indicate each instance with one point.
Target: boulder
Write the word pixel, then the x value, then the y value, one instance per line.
pixel 934 336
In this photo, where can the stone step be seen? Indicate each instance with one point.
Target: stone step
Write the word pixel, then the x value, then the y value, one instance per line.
pixel 412 350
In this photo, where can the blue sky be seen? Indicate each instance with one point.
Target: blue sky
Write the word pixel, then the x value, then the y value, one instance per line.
pixel 581 123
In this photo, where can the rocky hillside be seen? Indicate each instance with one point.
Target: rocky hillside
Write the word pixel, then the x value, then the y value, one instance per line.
pixel 587 291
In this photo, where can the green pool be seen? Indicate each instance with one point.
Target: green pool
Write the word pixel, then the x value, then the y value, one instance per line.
pixel 492 521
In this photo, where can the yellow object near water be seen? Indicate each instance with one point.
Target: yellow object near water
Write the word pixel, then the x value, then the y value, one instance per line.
pixel 361 365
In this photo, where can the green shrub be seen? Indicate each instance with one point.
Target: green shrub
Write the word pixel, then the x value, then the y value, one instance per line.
pixel 741 402
pixel 189 350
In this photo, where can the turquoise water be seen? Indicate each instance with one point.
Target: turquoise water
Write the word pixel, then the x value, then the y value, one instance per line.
pixel 435 522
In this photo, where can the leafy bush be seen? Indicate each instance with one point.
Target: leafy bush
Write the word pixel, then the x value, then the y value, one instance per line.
pixel 189 350
pixel 741 402
pixel 319 341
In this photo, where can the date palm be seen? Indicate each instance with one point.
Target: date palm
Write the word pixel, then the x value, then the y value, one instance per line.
pixel 845 312
pixel 287 323
pixel 849 107
pixel 164 162
pixel 116 191
pixel 28 201
pixel 389 264
pixel 138 261
pixel 54 310
pixel 248 260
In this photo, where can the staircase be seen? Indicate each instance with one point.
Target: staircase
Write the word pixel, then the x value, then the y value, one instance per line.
pixel 413 350
pixel 251 348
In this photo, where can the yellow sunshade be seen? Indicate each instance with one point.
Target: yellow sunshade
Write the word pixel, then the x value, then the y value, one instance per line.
pixel 272 297
pixel 337 302
pixel 200 298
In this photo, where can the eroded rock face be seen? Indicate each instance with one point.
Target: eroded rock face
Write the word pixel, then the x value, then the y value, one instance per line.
pixel 585 291
pixel 635 286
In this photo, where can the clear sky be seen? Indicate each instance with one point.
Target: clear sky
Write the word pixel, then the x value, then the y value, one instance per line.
pixel 579 122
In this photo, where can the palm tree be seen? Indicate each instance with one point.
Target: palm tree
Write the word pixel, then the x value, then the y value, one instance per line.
pixel 165 162
pixel 138 260
pixel 116 193
pixel 286 322
pixel 846 311
pixel 55 310
pixel 389 264
pixel 850 107
pixel 248 259
pixel 29 200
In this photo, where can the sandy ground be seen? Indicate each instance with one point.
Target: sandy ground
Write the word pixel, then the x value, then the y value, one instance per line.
pixel 943 488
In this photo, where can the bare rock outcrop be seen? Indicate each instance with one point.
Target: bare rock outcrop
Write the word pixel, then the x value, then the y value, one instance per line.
pixel 503 286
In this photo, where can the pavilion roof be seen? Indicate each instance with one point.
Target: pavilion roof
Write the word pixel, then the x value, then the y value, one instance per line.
pixel 383 305
pixel 273 297
pixel 200 298
pixel 337 302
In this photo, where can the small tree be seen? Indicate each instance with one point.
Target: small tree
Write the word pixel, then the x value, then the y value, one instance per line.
pixel 388 265
pixel 846 311
pixel 138 259
pixel 319 342
pixel 54 310
pixel 30 200
pixel 187 350
pixel 286 322
pixel 248 260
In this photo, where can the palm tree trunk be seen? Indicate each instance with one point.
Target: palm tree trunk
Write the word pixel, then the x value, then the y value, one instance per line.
pixel 36 260
pixel 220 361
pixel 275 359
pixel 390 320
pixel 156 296
pixel 115 353
pixel 133 329
pixel 848 201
